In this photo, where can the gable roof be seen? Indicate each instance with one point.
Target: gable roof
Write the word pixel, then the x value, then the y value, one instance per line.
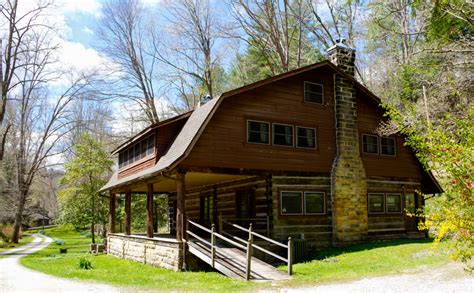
pixel 199 119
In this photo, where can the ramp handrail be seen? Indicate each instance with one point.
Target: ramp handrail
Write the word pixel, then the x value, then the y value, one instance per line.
pixel 288 247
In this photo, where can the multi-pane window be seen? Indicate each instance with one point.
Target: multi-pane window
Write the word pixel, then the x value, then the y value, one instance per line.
pixel 314 202
pixel 376 202
pixel 313 92
pixel 381 203
pixel 302 203
pixel 393 203
pixel 258 132
pixel 291 202
pixel 282 135
pixel 370 144
pixel 387 146
pixel 305 137
pixel 137 151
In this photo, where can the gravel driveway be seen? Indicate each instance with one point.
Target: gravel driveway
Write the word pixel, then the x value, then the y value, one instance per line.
pixel 16 278
pixel 449 278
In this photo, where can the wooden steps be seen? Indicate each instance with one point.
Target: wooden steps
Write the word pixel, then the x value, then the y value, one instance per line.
pixel 232 263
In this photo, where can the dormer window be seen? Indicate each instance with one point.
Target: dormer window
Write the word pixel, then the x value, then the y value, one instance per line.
pixel 313 92
pixel 139 150
pixel 370 144
pixel 387 146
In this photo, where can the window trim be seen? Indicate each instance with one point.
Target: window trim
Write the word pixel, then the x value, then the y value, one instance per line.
pixel 322 93
pixel 324 202
pixel 378 144
pixel 135 160
pixel 302 203
pixel 383 203
pixel 273 135
pixel 315 138
pixel 269 131
pixel 401 204
pixel 394 146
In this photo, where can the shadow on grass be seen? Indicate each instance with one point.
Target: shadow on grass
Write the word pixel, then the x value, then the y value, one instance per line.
pixel 333 252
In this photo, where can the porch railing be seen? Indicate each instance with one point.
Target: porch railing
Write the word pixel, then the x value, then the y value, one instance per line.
pixel 246 246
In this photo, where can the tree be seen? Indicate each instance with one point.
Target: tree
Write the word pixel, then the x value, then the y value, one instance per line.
pixel 277 41
pixel 18 43
pixel 80 202
pixel 126 30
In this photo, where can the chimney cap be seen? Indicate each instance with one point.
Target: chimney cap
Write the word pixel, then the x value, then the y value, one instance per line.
pixel 340 43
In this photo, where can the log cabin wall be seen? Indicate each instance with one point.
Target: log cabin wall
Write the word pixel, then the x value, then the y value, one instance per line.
pixel 164 136
pixel 388 225
pixel 403 165
pixel 315 229
pixel 225 137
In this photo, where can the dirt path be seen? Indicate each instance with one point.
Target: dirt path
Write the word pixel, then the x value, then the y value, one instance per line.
pixel 449 278
pixel 16 278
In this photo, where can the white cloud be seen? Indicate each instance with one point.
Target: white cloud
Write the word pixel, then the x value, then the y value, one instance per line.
pixel 84 6
pixel 87 30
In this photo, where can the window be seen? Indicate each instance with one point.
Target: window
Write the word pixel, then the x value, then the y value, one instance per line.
pixel 291 203
pixel 137 151
pixel 207 208
pixel 282 135
pixel 306 137
pixel 376 202
pixel 314 202
pixel 387 146
pixel 258 132
pixel 313 92
pixel 370 144
pixel 394 203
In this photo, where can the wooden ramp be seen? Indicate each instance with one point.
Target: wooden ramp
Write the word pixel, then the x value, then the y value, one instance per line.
pixel 232 263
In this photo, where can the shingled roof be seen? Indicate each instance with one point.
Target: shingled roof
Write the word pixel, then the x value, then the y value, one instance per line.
pixel 196 123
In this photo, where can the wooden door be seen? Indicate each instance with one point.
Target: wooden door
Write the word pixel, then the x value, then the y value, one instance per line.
pixel 245 205
pixel 411 222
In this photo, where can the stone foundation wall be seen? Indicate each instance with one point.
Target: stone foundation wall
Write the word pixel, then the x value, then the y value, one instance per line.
pixel 159 252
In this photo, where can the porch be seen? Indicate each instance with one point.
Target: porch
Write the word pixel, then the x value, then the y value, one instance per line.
pixel 192 212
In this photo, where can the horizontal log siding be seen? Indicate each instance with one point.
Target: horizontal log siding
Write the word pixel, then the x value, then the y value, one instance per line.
pixel 137 167
pixel 403 165
pixel 317 229
pixel 224 144
pixel 386 225
pixel 226 201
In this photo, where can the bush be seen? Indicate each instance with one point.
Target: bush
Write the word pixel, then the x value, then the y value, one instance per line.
pixel 59 241
pixel 85 263
pixel 6 233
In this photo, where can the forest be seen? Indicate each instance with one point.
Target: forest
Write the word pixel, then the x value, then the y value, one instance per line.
pixel 58 123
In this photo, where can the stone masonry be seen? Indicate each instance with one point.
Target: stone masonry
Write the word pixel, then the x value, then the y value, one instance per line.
pixel 165 253
pixel 348 179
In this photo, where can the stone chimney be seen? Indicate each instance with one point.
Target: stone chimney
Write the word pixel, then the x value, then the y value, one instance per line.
pixel 348 179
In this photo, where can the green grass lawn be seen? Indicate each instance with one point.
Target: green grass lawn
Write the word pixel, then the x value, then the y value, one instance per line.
pixel 355 262
pixel 6 246
pixel 366 260
pixel 120 272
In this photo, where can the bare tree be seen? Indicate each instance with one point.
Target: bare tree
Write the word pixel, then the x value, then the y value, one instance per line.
pixel 14 41
pixel 189 49
pixel 125 34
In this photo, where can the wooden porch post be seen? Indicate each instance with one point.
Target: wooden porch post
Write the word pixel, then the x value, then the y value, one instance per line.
pixel 180 206
pixel 128 212
pixel 149 211
pixel 112 213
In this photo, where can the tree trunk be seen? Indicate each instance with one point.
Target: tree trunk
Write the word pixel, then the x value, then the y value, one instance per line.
pixel 93 232
pixel 18 217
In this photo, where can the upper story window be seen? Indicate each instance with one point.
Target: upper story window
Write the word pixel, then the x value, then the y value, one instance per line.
pixel 313 92
pixel 282 135
pixel 258 132
pixel 305 137
pixel 373 144
pixel 370 144
pixel 138 151
pixel 387 146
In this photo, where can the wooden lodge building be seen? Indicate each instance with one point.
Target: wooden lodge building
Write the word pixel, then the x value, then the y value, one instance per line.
pixel 296 155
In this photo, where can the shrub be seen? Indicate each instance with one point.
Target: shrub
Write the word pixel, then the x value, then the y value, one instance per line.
pixel 85 263
pixel 6 233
